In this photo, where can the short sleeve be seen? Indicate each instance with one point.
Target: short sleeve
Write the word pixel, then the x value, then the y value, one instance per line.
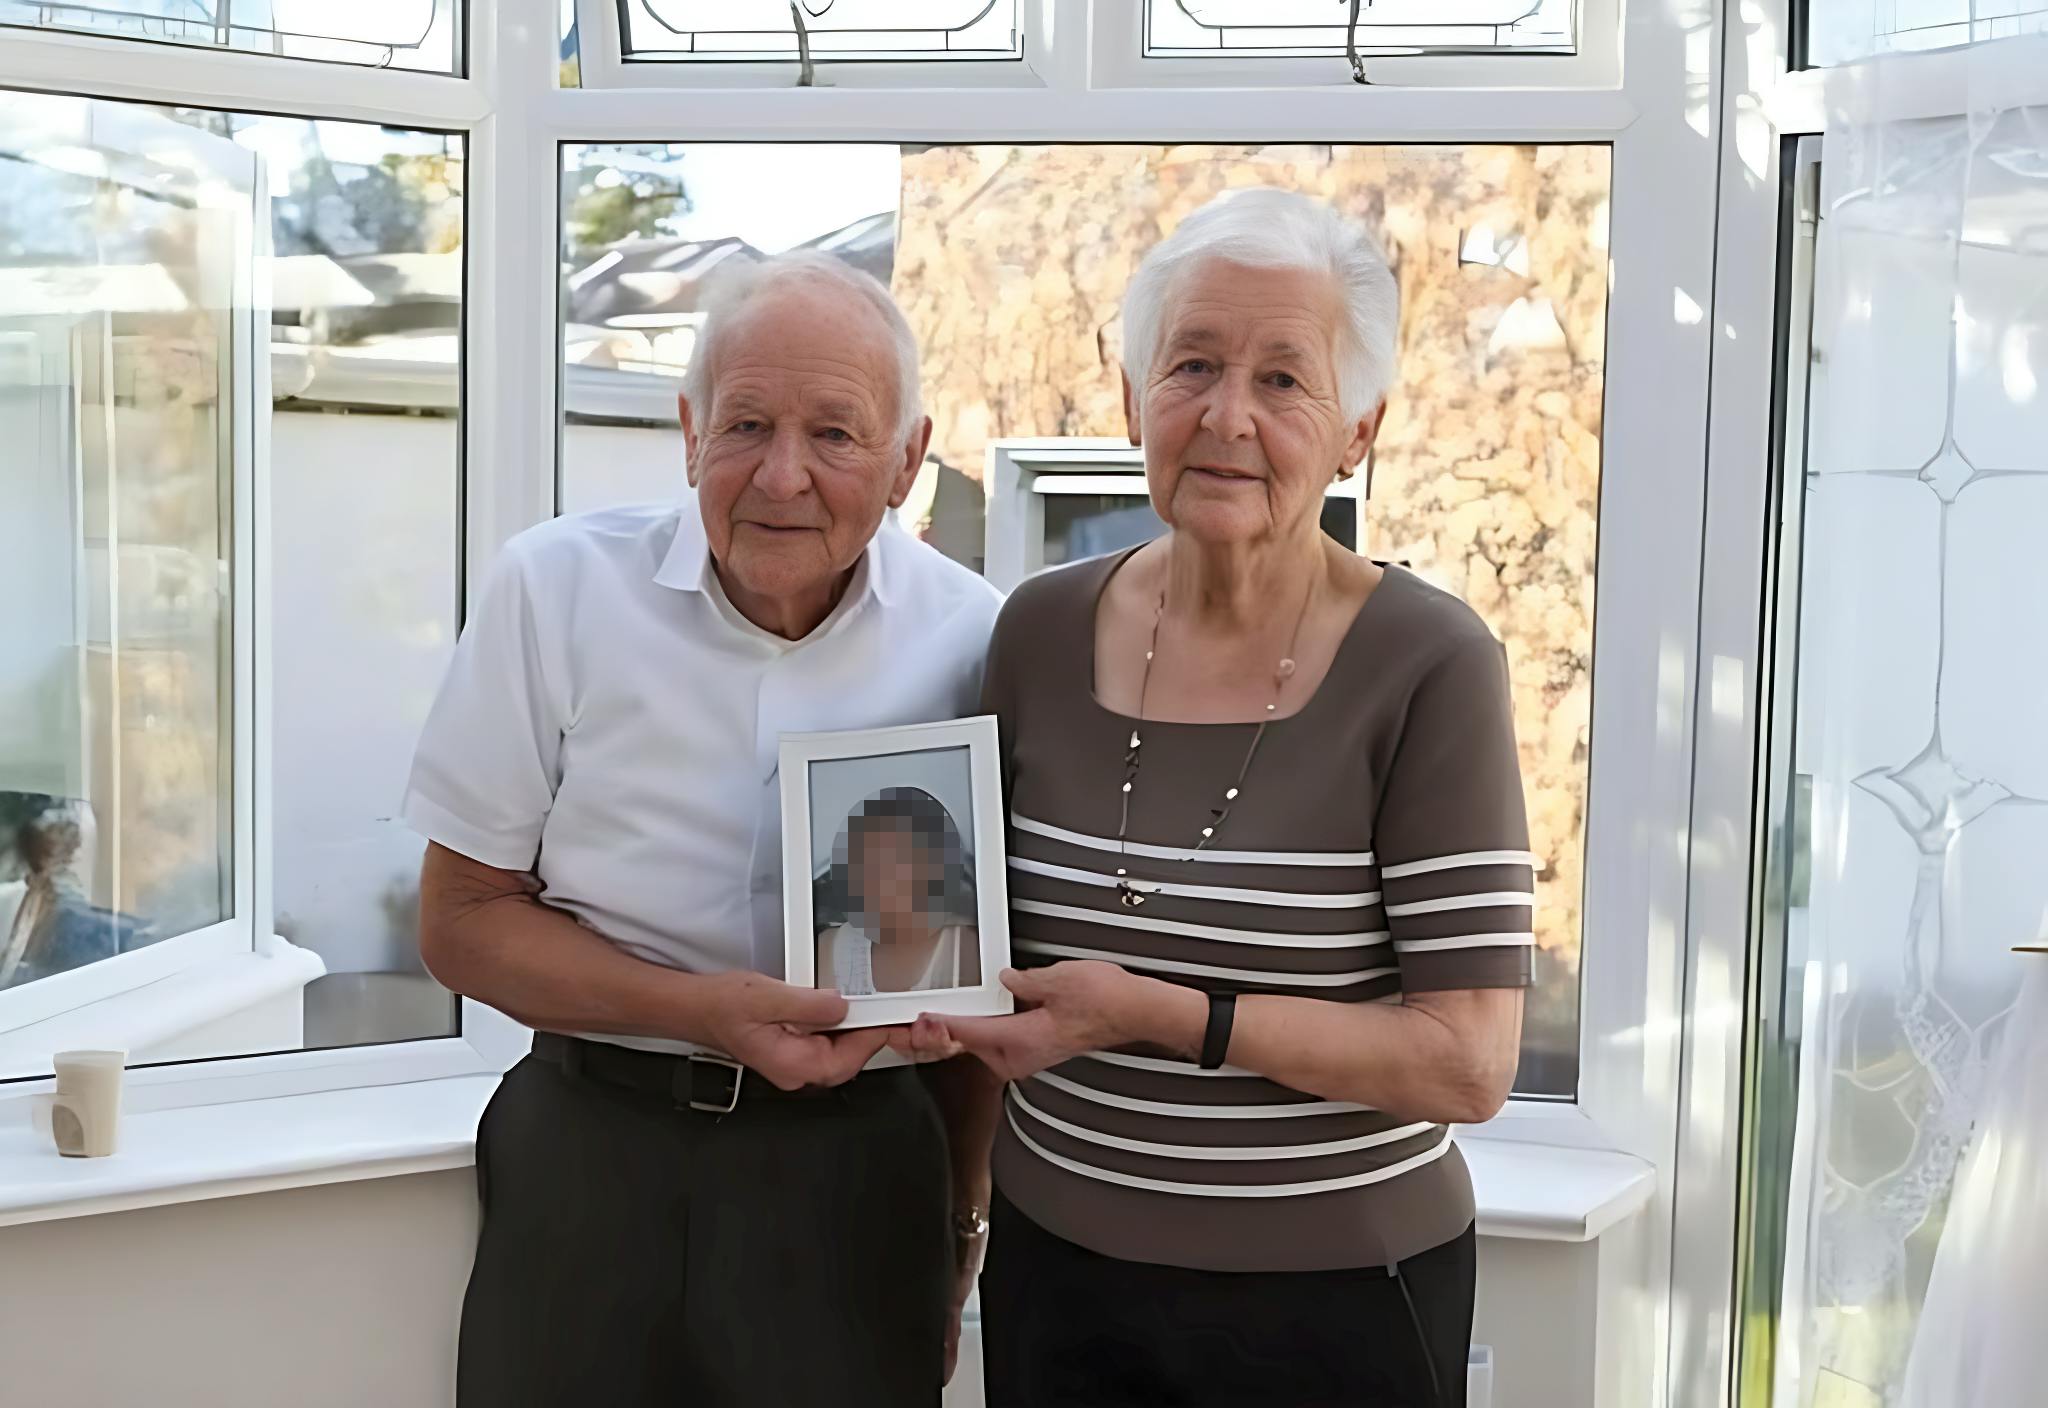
pixel 998 693
pixel 1452 835
pixel 489 759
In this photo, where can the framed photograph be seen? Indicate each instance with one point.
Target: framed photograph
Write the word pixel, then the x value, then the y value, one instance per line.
pixel 893 880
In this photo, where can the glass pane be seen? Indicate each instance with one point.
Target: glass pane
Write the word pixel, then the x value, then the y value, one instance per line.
pixel 409 34
pixel 1923 658
pixel 1252 29
pixel 365 596
pixel 670 30
pixel 118 397
pixel 1843 31
pixel 570 73
pixel 1089 525
pixel 1485 478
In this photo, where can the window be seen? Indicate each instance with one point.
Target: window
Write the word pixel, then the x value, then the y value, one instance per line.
pixel 137 242
pixel 1055 501
pixel 126 403
pixel 1843 31
pixel 1485 478
pixel 1242 29
pixel 1910 802
pixel 409 34
pixel 828 30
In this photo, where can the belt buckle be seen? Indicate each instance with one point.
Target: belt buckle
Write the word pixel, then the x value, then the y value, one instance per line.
pixel 700 1059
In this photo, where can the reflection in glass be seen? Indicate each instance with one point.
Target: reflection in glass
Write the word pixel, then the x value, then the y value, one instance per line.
pixel 409 34
pixel 1253 29
pixel 117 399
pixel 833 29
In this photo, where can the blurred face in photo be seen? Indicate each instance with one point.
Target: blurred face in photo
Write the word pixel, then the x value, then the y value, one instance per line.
pixel 898 878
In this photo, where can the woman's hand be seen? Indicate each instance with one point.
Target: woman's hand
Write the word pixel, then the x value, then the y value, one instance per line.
pixel 1066 1010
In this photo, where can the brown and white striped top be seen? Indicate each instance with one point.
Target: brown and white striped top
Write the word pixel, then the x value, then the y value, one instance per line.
pixel 1380 847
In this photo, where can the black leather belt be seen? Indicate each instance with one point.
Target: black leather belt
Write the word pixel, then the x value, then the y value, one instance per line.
pixel 701 1081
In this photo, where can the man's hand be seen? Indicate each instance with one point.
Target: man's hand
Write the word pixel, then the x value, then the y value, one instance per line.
pixel 778 1031
pixel 1065 1010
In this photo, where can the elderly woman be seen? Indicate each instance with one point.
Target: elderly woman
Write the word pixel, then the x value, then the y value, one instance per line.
pixel 1270 883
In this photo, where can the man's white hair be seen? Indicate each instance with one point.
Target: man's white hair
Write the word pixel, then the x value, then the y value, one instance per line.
pixel 739 284
pixel 1270 229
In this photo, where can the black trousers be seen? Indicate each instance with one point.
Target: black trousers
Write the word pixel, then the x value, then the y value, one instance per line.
pixel 795 1252
pixel 1062 1325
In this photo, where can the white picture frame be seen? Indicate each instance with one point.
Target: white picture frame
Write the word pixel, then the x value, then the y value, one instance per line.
pixel 825 779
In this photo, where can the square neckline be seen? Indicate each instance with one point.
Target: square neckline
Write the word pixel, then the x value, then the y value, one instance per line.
pixel 1115 563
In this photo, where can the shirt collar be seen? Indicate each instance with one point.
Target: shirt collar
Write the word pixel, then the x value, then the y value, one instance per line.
pixel 688 559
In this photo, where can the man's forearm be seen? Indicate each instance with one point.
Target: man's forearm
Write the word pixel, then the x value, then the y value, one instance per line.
pixel 484 935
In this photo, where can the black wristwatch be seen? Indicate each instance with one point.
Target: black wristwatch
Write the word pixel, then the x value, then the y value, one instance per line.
pixel 1216 1036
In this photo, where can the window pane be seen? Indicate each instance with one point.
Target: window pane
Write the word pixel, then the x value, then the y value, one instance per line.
pixel 410 34
pixel 1011 261
pixel 365 596
pixel 1843 31
pixel 1089 525
pixel 118 392
pixel 1251 29
pixel 670 30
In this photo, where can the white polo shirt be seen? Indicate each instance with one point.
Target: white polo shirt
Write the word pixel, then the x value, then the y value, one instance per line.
pixel 611 721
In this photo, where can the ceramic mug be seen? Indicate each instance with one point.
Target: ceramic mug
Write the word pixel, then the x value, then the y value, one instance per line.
pixel 83 1115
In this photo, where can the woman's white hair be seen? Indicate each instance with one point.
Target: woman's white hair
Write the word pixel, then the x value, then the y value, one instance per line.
pixel 1270 229
pixel 736 285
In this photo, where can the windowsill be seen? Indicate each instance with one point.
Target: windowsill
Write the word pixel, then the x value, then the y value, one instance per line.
pixel 1547 1193
pixel 1525 1191
pixel 248 1146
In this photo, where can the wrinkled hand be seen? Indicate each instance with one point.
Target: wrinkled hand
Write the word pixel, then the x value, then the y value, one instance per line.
pixel 925 1040
pixel 778 1031
pixel 1065 1010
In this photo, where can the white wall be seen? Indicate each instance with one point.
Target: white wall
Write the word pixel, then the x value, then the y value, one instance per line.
pixel 341 1296
pixel 348 1296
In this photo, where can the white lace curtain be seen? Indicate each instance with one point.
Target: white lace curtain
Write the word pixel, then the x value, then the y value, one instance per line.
pixel 1923 709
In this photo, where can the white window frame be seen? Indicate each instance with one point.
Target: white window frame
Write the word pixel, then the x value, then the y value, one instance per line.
pixel 1648 889
pixel 1119 60
pixel 601 62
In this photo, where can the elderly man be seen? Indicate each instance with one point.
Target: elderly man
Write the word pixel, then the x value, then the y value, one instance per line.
pixel 693 1192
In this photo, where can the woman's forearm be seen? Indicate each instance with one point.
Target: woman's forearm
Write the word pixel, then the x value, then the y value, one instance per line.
pixel 1448 1058
pixel 970 1102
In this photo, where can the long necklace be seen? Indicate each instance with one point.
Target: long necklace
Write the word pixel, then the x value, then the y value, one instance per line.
pixel 1132 893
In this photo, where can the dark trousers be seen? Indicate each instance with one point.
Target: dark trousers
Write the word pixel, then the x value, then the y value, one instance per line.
pixel 795 1252
pixel 1062 1325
